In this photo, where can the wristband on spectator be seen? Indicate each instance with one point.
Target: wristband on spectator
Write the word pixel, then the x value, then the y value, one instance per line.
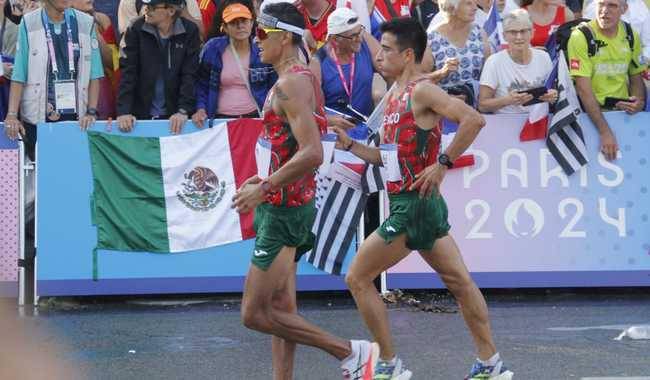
pixel 347 148
pixel 92 112
pixel 14 114
pixel 182 111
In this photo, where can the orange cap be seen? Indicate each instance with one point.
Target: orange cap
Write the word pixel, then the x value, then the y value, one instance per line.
pixel 234 11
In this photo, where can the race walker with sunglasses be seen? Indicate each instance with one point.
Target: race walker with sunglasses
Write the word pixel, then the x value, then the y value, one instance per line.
pixel 268 24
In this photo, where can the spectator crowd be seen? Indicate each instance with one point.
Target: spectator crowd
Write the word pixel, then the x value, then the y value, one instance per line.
pixel 197 60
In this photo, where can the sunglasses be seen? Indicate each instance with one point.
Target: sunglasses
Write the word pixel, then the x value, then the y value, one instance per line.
pixel 263 33
pixel 352 36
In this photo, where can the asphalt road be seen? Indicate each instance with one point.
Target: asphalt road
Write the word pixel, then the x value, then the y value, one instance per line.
pixel 559 335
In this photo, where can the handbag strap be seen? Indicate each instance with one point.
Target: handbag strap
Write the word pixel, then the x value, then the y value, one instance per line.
pixel 244 77
pixel 390 8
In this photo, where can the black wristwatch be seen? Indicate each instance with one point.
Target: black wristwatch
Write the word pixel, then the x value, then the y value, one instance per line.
pixel 444 159
pixel 92 112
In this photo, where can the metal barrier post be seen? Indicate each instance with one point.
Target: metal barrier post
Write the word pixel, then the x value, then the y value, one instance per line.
pixel 21 224
pixel 382 217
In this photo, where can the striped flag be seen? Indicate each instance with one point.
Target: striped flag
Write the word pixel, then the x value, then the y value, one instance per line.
pixel 340 203
pixel 491 28
pixel 565 139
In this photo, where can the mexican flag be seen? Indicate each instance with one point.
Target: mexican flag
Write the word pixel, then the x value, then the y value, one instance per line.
pixel 173 193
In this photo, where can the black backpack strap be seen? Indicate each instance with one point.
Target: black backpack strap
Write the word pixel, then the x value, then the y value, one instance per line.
pixel 592 44
pixel 629 36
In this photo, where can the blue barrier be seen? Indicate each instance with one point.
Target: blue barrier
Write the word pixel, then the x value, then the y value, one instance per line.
pixel 66 237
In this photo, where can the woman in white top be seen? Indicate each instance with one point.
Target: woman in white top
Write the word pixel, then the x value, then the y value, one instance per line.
pixel 520 67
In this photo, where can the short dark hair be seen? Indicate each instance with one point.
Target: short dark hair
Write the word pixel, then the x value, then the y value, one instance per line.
pixel 289 14
pixel 217 20
pixel 409 34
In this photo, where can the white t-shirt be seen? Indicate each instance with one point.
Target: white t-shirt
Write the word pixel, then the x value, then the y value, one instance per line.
pixel 504 75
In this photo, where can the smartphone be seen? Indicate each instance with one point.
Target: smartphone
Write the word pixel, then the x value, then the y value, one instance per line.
pixel 610 102
pixel 536 92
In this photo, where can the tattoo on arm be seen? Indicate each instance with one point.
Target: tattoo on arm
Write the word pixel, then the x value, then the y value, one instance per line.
pixel 280 94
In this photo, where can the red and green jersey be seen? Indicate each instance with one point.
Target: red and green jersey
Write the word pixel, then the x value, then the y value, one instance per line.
pixel 416 148
pixel 284 145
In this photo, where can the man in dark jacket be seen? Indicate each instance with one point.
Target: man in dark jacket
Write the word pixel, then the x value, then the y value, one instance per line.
pixel 159 60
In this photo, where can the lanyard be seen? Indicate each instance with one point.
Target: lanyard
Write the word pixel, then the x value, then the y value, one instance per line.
pixel 50 45
pixel 348 89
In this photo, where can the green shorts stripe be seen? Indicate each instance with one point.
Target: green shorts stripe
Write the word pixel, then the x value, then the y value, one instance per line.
pixel 423 220
pixel 278 227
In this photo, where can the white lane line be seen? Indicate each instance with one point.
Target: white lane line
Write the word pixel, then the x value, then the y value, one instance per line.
pixel 615 378
pixel 603 327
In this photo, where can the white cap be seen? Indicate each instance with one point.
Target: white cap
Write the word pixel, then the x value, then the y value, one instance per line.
pixel 342 20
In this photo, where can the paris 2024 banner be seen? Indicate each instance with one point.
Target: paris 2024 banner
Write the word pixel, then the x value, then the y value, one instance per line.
pixel 520 221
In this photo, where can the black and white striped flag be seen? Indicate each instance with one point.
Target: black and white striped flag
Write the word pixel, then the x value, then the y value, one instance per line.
pixel 565 139
pixel 341 198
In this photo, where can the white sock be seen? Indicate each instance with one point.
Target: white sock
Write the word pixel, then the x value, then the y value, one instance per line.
pixel 355 351
pixel 491 362
pixel 390 361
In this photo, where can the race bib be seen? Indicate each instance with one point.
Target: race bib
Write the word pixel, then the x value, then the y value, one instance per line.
pixel 65 96
pixel 329 142
pixel 263 157
pixel 390 162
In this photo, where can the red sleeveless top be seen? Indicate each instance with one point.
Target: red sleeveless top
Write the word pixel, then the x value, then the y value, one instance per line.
pixel 416 148
pixel 319 29
pixel 541 33
pixel 284 145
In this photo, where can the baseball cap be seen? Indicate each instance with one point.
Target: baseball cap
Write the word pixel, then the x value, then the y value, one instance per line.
pixel 237 10
pixel 342 20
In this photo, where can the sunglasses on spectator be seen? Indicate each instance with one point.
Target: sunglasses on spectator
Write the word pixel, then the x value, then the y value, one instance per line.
pixel 352 36
pixel 263 33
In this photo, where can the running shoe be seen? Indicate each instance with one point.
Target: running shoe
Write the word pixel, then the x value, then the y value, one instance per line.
pixel 360 368
pixel 387 370
pixel 483 372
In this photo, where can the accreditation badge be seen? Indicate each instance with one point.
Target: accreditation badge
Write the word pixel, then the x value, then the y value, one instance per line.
pixel 65 96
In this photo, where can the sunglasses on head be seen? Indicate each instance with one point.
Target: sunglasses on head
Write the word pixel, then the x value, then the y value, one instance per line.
pixel 263 33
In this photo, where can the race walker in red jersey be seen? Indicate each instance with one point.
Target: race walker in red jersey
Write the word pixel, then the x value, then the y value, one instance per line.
pixel 414 169
pixel 288 152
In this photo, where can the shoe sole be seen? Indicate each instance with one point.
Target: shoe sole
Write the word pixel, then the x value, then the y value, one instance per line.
pixel 372 361
pixel 507 375
pixel 406 375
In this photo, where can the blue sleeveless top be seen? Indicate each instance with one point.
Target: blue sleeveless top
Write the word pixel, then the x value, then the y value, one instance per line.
pixel 333 90
pixel 471 57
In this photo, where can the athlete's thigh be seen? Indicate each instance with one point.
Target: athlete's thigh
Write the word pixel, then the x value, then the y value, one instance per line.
pixel 376 255
pixel 445 257
pixel 261 285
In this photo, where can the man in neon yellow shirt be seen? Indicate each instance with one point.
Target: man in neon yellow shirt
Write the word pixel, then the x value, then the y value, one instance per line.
pixel 614 71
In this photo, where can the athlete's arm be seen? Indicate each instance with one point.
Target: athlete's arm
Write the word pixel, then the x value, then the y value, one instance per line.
pixel 366 153
pixel 298 109
pixel 429 96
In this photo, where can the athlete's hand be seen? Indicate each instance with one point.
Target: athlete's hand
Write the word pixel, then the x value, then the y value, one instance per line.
pixel 248 197
pixel 343 141
pixel 429 180
pixel 339 121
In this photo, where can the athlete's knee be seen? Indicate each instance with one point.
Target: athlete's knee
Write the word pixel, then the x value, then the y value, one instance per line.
pixel 285 301
pixel 254 318
pixel 357 282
